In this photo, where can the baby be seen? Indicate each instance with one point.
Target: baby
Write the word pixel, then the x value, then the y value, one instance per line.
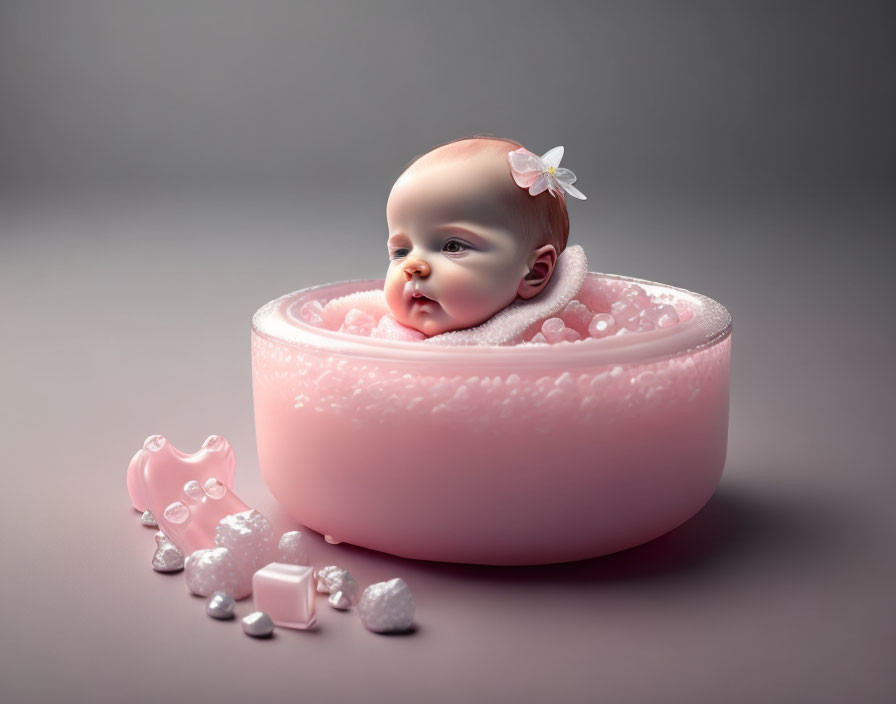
pixel 474 225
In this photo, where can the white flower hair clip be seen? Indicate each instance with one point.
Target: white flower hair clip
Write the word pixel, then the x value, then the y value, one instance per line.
pixel 542 173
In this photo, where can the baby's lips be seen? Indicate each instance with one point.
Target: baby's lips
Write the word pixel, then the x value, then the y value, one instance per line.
pixel 416 294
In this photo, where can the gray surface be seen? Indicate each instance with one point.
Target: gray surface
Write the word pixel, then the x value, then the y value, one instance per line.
pixel 163 180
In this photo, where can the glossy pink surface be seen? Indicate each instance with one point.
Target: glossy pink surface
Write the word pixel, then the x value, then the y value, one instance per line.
pixel 525 454
pixel 286 594
pixel 187 493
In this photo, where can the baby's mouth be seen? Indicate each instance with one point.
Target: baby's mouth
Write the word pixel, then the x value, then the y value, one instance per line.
pixel 418 298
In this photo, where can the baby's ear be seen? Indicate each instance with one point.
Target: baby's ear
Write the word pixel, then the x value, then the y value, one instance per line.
pixel 540 271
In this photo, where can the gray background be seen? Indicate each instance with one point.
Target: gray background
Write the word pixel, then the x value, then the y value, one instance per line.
pixel 167 167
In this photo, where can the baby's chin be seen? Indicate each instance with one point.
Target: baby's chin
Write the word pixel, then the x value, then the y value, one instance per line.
pixel 428 327
pixel 436 325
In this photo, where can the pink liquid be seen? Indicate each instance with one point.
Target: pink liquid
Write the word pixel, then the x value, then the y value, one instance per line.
pixel 502 455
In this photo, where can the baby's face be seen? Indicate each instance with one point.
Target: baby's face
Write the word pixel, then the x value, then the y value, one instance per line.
pixel 455 256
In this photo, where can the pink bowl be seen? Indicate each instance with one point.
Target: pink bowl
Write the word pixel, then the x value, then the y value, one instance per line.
pixel 517 455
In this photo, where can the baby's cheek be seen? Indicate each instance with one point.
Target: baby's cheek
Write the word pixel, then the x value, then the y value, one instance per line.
pixel 492 290
pixel 392 291
pixel 475 303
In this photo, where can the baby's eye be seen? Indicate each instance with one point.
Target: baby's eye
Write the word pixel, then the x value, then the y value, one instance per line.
pixel 399 253
pixel 453 246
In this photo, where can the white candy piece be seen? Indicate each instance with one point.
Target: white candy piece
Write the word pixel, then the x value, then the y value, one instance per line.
pixel 322 574
pixel 342 587
pixel 221 606
pixel 149 520
pixel 249 537
pixel 292 548
pixel 258 625
pixel 167 557
pixel 344 600
pixel 387 607
pixel 212 570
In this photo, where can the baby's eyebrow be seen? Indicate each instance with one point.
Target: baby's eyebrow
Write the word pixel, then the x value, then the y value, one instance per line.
pixel 397 237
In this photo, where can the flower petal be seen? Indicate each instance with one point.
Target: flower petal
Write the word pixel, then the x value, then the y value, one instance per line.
pixel 564 175
pixel 525 180
pixel 524 161
pixel 552 157
pixel 540 185
pixel 572 190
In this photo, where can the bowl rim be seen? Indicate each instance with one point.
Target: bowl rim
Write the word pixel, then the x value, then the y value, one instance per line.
pixel 710 325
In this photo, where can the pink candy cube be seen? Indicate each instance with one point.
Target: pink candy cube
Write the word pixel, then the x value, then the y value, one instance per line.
pixel 286 594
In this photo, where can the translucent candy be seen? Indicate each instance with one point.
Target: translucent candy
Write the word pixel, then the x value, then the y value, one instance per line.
pixel 577 316
pixel 635 295
pixel 176 512
pixel 209 571
pixel 357 322
pixel 387 607
pixel 668 319
pixel 159 467
pixel 286 594
pixel 214 488
pixel 193 489
pixel 599 293
pixel 149 520
pixel 371 302
pixel 188 494
pixel 311 313
pixel 552 329
pixel 601 325
pixel 623 311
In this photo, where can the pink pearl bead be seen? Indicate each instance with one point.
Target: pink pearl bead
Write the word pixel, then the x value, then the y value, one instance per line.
pixel 601 325
pixel 552 329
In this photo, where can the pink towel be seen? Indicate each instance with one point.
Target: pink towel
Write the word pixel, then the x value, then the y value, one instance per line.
pixel 506 327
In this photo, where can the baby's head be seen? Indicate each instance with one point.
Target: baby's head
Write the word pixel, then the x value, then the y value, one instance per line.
pixel 465 240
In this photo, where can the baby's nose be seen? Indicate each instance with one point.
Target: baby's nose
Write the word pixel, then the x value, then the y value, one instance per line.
pixel 416 266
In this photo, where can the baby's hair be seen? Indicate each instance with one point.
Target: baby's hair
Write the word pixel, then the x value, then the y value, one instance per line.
pixel 543 218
